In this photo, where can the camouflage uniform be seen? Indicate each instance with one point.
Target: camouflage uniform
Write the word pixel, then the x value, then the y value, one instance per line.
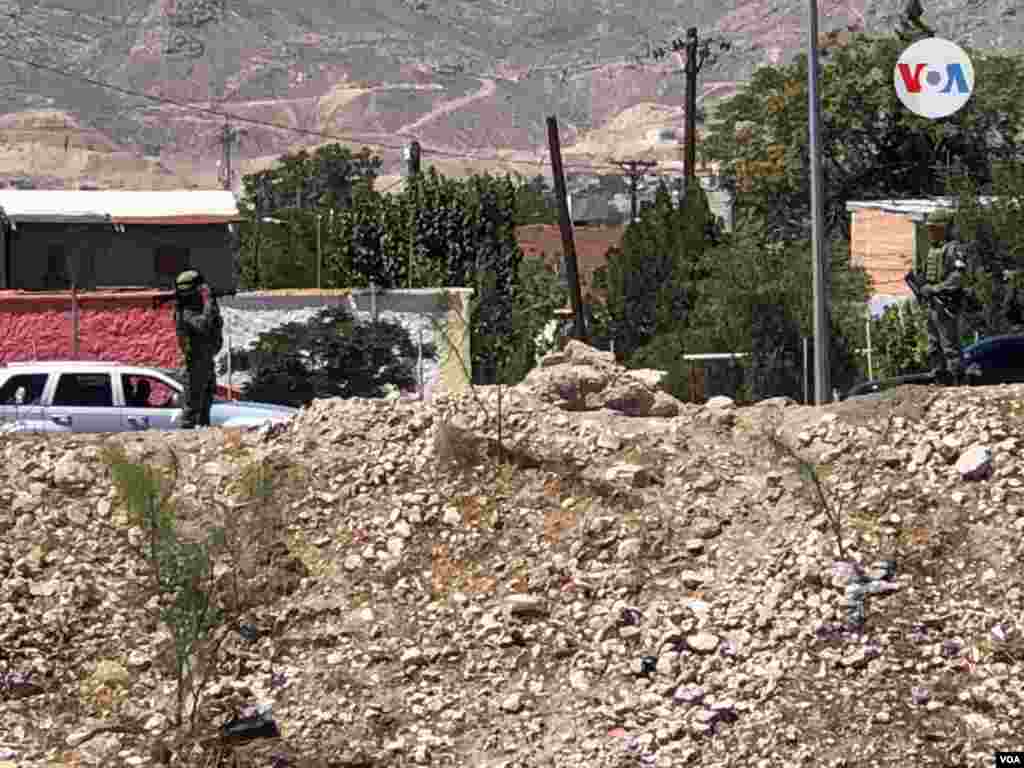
pixel 200 333
pixel 942 273
pixel 911 27
pixel 1013 301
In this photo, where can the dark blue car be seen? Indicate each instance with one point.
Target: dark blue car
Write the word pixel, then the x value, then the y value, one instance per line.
pixel 996 360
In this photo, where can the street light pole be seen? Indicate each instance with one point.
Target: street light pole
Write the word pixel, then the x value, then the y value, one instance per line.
pixel 822 392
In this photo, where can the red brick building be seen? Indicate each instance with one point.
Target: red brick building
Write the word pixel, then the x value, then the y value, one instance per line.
pixel 592 245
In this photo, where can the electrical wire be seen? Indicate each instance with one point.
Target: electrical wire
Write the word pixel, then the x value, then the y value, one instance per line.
pixel 593 166
pixel 539 164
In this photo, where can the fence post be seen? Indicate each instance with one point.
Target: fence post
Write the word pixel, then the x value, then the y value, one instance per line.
pixel 231 395
pixel 373 301
pixel 807 373
pixel 867 325
pixel 419 362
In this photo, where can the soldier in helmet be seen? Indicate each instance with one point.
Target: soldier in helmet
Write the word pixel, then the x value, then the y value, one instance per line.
pixel 911 26
pixel 942 273
pixel 199 327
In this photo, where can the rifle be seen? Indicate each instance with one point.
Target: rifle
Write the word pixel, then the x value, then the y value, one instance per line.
pixel 914 282
pixel 166 296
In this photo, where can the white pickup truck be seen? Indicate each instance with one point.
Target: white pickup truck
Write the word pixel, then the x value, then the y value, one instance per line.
pixel 91 396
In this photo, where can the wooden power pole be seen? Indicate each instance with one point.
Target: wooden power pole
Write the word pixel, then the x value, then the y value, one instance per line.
pixel 690 128
pixel 565 224
pixel 635 169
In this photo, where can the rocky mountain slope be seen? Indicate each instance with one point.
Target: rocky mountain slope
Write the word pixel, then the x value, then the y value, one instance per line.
pixel 468 78
pixel 622 590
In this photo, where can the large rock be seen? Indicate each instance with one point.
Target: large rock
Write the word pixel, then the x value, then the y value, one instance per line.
pixel 649 377
pixel 975 463
pixel 630 397
pixel 581 378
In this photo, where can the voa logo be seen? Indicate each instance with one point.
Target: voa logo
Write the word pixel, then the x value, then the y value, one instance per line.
pixel 934 77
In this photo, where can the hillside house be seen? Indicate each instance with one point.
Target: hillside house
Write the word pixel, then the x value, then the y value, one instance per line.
pixel 115 239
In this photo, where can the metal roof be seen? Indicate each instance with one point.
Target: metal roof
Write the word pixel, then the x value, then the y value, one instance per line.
pixel 913 208
pixel 120 206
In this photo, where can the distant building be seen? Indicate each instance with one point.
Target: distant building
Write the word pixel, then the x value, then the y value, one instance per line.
pixel 115 239
pixel 592 243
pixel 887 238
pixel 606 199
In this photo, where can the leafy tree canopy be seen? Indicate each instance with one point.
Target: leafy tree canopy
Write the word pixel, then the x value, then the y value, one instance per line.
pixel 326 177
pixel 651 281
pixel 436 232
pixel 872 146
pixel 332 355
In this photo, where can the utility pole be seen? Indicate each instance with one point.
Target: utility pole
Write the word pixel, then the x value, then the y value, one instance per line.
pixel 635 169
pixel 228 137
pixel 690 128
pixel 412 159
pixel 412 167
pixel 565 224
pixel 698 53
pixel 822 391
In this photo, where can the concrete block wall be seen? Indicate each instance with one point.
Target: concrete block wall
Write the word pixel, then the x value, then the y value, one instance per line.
pixel 433 316
pixel 131 327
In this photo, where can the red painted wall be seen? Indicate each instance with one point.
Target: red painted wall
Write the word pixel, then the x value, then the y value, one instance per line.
pixel 125 327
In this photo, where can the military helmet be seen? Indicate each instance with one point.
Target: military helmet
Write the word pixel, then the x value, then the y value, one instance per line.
pixel 940 217
pixel 188 281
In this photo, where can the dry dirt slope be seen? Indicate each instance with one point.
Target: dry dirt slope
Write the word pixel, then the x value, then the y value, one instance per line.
pixel 625 591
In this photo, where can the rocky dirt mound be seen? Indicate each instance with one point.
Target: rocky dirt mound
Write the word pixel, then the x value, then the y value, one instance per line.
pixel 615 591
pixel 581 378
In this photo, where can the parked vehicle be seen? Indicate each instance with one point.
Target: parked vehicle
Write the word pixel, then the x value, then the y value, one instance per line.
pixel 89 396
pixel 995 360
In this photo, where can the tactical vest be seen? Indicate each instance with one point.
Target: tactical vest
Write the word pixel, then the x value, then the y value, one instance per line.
pixel 935 264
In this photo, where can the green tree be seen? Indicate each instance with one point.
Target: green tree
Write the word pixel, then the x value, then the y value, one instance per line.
pixel 872 146
pixel 899 341
pixel 535 202
pixel 757 299
pixel 651 281
pixel 988 221
pixel 326 177
pixel 332 355
pixel 538 294
pixel 437 232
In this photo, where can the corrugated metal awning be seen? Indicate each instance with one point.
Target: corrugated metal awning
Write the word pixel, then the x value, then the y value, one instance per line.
pixel 59 218
pixel 176 219
pixel 51 205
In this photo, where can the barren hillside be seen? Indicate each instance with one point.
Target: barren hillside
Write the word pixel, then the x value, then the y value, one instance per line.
pixel 619 590
pixel 465 77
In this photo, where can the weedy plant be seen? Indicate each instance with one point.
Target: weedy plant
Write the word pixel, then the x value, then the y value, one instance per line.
pixel 810 473
pixel 181 570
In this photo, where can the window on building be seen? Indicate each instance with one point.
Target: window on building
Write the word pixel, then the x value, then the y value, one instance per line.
pixel 171 260
pixel 56 278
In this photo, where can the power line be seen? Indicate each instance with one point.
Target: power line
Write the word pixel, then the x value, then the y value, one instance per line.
pixel 635 169
pixel 17 19
pixel 264 123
